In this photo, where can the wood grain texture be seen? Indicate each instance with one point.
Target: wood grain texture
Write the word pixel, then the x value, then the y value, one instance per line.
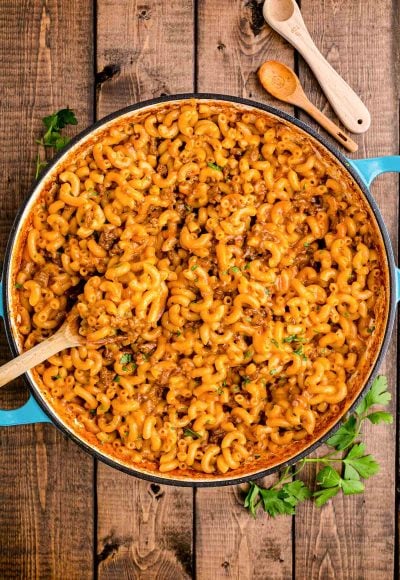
pixel 144 531
pixel 353 537
pixel 145 49
pixel 45 481
pixel 229 542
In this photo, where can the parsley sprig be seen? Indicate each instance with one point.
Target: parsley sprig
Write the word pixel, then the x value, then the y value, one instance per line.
pixel 342 469
pixel 52 137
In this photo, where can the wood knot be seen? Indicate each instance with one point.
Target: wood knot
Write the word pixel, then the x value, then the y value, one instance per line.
pixel 109 72
pixel 144 14
pixel 257 18
pixel 156 491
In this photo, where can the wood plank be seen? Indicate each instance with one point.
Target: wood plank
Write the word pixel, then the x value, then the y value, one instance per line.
pixel 144 530
pixel 230 543
pixel 147 49
pixel 45 480
pixel 353 537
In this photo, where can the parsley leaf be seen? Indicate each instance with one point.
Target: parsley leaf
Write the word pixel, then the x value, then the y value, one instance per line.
pixel 275 342
pixel 277 500
pixel 252 498
pixel 52 137
pixel 365 465
pixel 125 358
pixel 321 497
pixel 380 417
pixel 377 395
pixel 18 286
pixel 345 435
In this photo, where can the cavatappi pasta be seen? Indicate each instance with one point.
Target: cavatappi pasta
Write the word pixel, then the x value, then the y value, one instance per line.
pixel 238 263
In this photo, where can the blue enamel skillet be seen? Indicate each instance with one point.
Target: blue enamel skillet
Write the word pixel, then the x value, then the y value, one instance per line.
pixel 37 410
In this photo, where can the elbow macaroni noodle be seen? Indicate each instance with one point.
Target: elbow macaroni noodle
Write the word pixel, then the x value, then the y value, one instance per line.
pixel 239 265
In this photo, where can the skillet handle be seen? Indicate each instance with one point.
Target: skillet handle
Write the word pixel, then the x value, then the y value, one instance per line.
pixel 369 169
pixel 30 412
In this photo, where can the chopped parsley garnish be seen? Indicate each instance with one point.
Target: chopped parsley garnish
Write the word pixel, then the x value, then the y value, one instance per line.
pixel 125 358
pixel 220 390
pixel 307 244
pixel 273 372
pixel 234 269
pixel 247 266
pixel 214 166
pixel 18 286
pixel 116 379
pixel 92 412
pixel 371 329
pixel 293 338
pixel 193 268
pixel 275 342
pixel 248 354
pixel 246 380
pixel 190 433
pixel 56 377
pixel 300 353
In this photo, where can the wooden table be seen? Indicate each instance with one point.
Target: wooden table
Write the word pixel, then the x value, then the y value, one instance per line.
pixel 65 516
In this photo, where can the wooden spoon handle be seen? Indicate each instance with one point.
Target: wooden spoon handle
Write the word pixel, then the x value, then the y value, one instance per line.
pixel 29 359
pixel 327 124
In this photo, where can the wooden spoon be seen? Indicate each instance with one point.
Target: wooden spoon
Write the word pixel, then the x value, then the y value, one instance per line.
pixel 66 337
pixel 285 17
pixel 282 83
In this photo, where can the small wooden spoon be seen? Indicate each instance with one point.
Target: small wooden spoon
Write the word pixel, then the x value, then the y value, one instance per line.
pixel 283 84
pixel 66 337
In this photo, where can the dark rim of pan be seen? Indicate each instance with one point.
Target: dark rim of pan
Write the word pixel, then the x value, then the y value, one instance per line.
pixel 221 481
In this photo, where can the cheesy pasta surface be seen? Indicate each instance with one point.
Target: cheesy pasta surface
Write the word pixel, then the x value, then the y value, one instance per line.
pixel 237 268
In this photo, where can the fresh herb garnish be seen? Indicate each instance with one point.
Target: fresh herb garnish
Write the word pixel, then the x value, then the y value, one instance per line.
pixel 275 342
pixel 353 463
pixel 371 329
pixel 116 379
pixel 92 412
pixel 300 353
pixel 125 358
pixel 234 269
pixel 18 286
pixel 247 266
pixel 220 390
pixel 193 268
pixel 56 377
pixel 273 372
pixel 246 380
pixel 293 338
pixel 190 433
pixel 214 166
pixel 248 354
pixel 52 137
pixel 307 244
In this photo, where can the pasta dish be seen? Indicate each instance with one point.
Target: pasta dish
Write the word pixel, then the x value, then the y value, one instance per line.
pixel 239 270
